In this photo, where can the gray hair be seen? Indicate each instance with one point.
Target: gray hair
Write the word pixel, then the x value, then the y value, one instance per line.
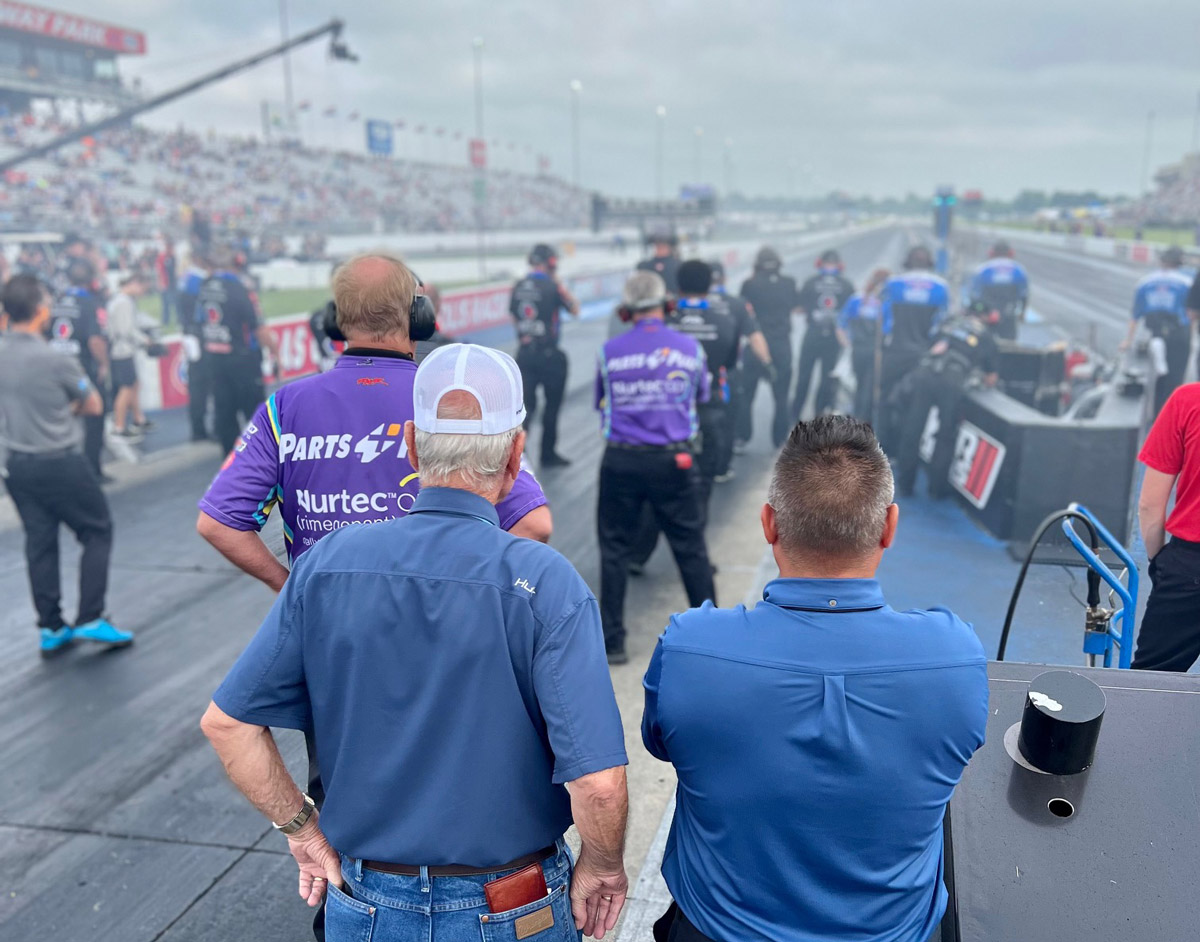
pixel 831 489
pixel 477 461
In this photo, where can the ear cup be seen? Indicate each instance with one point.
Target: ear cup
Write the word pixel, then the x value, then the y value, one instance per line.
pixel 422 318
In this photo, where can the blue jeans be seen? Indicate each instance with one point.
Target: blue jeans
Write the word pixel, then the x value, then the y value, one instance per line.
pixel 388 907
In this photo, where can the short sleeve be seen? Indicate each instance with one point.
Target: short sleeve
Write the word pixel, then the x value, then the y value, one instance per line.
pixel 1163 450
pixel 247 487
pixel 266 685
pixel 72 379
pixel 747 322
pixel 574 692
pixel 652 735
pixel 526 495
pixel 849 312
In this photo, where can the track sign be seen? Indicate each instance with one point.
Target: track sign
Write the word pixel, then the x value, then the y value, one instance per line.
pixel 379 138
pixel 477 148
pixel 977 461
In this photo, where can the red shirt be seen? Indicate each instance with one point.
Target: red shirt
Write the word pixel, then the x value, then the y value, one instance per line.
pixel 1173 447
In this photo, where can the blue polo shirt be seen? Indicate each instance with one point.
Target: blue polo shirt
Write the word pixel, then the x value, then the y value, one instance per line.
pixel 817 739
pixel 452 676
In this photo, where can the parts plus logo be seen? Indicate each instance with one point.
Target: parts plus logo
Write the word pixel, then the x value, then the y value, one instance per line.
pixel 372 381
pixel 371 446
pixel 380 440
pixel 978 459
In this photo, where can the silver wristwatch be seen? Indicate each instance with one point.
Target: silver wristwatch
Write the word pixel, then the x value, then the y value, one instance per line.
pixel 302 816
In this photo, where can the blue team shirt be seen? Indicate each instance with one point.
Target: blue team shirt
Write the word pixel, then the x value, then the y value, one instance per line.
pixel 452 677
pixel 914 303
pixel 859 316
pixel 817 739
pixel 999 276
pixel 1162 292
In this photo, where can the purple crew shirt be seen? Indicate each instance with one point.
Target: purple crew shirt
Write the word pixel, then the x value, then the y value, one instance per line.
pixel 330 451
pixel 648 381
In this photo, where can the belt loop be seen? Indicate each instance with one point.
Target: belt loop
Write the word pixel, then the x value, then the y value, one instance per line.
pixel 358 868
pixel 564 852
pixel 424 879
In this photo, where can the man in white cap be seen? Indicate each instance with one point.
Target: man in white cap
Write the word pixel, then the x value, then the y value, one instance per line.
pixel 453 677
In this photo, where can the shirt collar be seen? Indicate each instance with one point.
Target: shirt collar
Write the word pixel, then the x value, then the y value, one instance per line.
pixel 648 323
pixel 452 500
pixel 364 356
pixel 824 595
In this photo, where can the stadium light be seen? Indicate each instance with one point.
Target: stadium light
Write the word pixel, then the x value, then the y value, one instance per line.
pixel 576 88
pixel 661 120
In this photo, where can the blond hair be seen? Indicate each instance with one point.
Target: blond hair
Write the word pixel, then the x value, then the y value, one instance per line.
pixel 373 294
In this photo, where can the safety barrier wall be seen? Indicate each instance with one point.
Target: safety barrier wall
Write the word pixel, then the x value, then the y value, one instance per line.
pixel 1122 250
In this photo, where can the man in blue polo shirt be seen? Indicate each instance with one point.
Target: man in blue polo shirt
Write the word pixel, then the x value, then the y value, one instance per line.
pixel 454 679
pixel 817 737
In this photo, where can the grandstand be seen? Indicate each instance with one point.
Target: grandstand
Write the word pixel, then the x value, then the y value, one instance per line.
pixel 134 181
pixel 1176 201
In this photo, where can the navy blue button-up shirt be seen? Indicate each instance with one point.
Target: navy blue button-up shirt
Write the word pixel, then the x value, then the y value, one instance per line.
pixel 453 678
pixel 817 738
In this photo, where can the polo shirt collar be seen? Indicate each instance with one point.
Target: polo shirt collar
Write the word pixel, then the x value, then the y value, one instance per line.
pixel 824 595
pixel 363 356
pixel 451 500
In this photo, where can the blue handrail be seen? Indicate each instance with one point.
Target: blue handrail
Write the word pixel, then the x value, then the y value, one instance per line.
pixel 1128 612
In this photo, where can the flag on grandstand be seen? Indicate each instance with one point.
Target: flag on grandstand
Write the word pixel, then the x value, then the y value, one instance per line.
pixel 440 131
pixel 304 106
pixel 398 123
pixel 543 163
pixel 353 116
pixel 330 112
pixel 420 129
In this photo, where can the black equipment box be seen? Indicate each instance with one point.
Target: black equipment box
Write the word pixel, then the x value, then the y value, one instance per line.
pixel 1033 375
pixel 1110 854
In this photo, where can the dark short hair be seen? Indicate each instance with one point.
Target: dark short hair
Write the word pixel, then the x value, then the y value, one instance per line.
pixel 1172 257
pixel 830 257
pixel 694 277
pixel 831 489
pixel 22 296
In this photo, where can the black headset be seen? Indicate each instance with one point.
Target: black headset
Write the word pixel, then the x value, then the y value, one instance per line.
pixel 422 316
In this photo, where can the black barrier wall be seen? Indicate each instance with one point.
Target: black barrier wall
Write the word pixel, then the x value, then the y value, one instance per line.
pixel 1014 465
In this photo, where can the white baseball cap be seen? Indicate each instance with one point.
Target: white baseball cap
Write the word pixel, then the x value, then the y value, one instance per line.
pixel 491 377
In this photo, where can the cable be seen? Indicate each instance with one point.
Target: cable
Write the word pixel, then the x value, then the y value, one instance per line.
pixel 1033 544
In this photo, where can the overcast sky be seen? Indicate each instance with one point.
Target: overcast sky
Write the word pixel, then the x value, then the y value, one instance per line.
pixel 876 97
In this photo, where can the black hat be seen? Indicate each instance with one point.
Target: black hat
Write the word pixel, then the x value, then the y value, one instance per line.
pixel 694 277
pixel 829 257
pixel 543 254
pixel 1172 257
pixel 767 260
pixel 918 257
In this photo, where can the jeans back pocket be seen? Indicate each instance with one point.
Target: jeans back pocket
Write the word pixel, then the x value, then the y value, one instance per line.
pixel 346 918
pixel 546 920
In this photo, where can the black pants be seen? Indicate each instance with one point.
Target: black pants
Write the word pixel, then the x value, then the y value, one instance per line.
pixel 753 372
pixel 237 386
pixel 199 392
pixel 52 491
pixel 630 480
pixel 897 364
pixel 921 391
pixel 820 348
pixel 863 361
pixel 93 428
pixel 1179 351
pixel 1169 639
pixel 674 926
pixel 546 367
pixel 714 433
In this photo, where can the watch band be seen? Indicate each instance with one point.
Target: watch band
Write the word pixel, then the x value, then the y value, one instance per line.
pixel 300 819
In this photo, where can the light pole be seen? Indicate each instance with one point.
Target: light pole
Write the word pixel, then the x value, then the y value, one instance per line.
pixel 1196 126
pixel 481 170
pixel 699 135
pixel 728 166
pixel 1146 155
pixel 287 66
pixel 576 88
pixel 660 120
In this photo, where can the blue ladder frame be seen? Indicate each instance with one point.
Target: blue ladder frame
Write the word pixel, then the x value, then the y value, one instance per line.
pixel 1127 614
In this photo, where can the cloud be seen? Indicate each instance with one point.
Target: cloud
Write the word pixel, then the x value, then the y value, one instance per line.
pixel 868 95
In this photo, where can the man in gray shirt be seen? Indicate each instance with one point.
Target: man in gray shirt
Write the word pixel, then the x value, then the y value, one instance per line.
pixel 42 394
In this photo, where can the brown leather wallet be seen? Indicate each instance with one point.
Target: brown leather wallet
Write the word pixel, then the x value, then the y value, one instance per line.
pixel 516 890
